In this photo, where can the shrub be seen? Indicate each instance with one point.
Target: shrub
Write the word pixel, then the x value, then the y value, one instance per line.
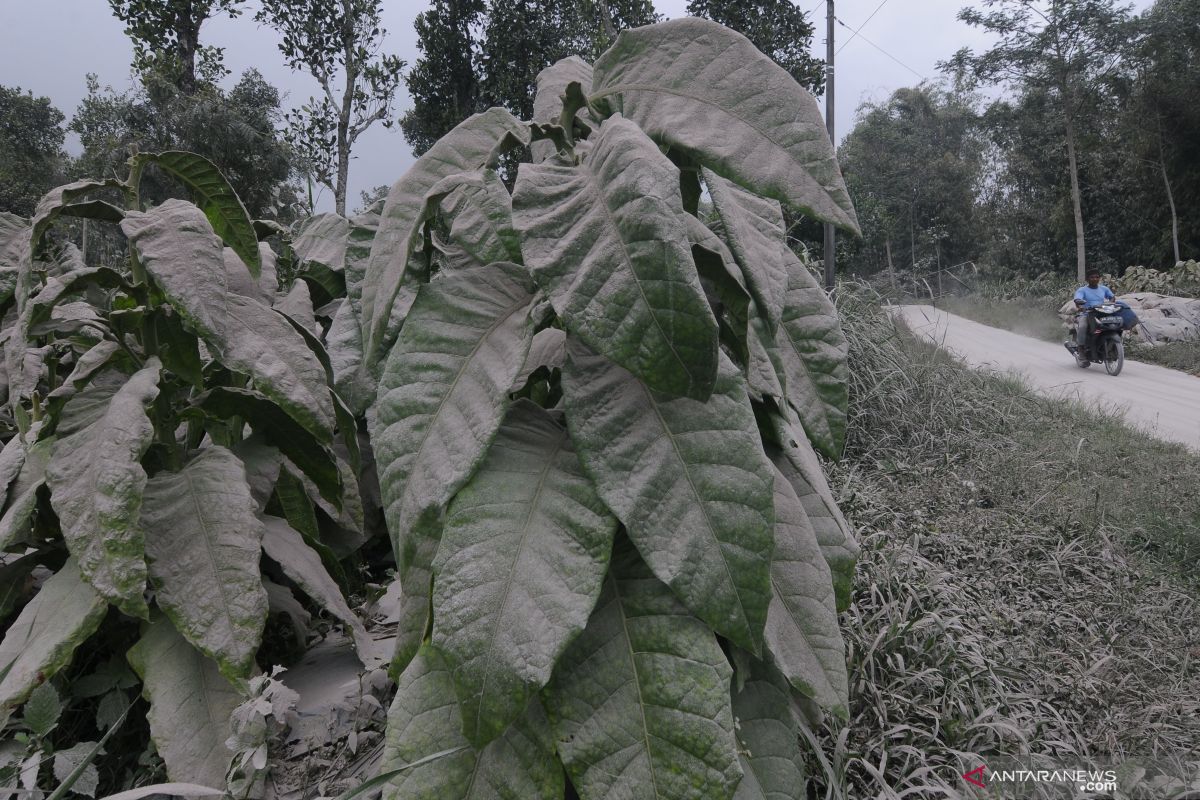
pixel 171 422
pixel 595 428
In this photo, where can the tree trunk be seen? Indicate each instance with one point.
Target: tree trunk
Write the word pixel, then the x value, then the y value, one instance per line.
pixel 343 127
pixel 606 22
pixel 887 246
pixel 1162 163
pixel 1076 205
pixel 187 39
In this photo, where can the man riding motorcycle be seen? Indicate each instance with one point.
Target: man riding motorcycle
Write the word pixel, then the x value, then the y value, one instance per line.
pixel 1086 298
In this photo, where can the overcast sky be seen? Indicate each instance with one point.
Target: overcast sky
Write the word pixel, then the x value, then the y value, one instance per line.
pixel 47 46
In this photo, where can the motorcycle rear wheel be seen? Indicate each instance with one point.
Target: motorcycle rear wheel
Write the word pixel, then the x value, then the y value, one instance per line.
pixel 1114 355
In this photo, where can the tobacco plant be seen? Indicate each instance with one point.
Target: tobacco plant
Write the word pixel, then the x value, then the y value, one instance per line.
pixel 599 405
pixel 177 456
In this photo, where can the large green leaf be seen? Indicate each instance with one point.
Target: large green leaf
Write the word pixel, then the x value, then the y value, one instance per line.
pixel 190 705
pixel 14 243
pixel 471 145
pixel 43 637
pixel 203 539
pixel 15 583
pixel 640 701
pixel 303 565
pixel 444 391
pixel 87 364
pixel 768 738
pixel 239 281
pixel 802 626
pixel 343 341
pixel 707 92
pixel 608 242
pixel 321 239
pixel 689 481
pixel 12 458
pixel 753 228
pixel 60 199
pixel 424 720
pixel 179 250
pixel 795 459
pixel 479 210
pixel 96 481
pixel 23 494
pixel 552 82
pixel 262 463
pixel 814 354
pixel 213 195
pixel 313 457
pixel 523 554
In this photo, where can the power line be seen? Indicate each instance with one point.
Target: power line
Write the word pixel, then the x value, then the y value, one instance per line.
pixel 860 27
pixel 814 8
pixel 885 52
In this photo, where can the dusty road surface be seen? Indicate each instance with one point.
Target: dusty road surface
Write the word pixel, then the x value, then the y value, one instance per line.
pixel 1163 402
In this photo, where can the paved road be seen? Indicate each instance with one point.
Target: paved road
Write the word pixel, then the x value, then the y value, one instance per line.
pixel 1163 402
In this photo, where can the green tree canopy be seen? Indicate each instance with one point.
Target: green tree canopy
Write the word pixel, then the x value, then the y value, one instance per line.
pixel 1064 52
pixel 236 130
pixel 335 40
pixel 166 38
pixel 914 163
pixel 474 56
pixel 31 154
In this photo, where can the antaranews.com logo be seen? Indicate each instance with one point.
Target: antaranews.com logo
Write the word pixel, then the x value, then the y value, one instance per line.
pixel 1017 781
pixel 1041 778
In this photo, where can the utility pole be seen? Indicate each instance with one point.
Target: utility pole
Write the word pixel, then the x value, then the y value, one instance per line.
pixel 829 231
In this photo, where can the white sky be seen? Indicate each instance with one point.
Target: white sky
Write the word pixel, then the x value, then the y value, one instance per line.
pixel 47 46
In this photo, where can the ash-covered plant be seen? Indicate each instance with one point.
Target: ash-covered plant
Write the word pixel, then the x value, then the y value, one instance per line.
pixel 596 426
pixel 175 455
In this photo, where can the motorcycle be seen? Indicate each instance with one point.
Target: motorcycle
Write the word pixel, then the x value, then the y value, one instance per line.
pixel 1105 325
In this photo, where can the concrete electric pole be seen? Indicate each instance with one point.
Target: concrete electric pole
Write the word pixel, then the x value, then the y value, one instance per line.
pixel 830 234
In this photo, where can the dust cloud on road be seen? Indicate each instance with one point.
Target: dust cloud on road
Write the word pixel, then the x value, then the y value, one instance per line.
pixel 1163 402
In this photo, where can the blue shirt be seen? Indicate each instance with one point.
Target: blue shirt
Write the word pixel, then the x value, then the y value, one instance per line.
pixel 1094 297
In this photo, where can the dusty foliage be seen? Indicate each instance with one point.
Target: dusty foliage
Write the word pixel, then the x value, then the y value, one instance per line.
pixel 596 417
pixel 176 459
pixel 999 609
pixel 595 427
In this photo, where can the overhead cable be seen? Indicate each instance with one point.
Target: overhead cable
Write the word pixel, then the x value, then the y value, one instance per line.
pixel 860 27
pixel 880 49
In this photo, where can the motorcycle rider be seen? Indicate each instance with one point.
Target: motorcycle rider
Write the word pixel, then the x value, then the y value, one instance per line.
pixel 1086 298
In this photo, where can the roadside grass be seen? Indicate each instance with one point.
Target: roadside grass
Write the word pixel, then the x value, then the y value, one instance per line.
pixel 1183 356
pixel 1029 316
pixel 1037 316
pixel 1007 602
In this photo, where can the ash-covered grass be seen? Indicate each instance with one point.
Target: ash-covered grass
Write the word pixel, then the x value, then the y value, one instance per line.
pixel 1037 317
pixel 1028 316
pixel 1007 603
pixel 1183 356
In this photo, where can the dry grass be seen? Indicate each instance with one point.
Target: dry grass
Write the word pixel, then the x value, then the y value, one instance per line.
pixel 1005 605
pixel 1183 356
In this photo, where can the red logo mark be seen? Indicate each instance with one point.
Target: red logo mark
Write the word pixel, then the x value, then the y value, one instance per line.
pixel 968 776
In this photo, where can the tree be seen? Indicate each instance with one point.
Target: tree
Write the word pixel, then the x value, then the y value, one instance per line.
pixel 31 154
pixel 914 164
pixel 443 83
pixel 328 39
pixel 475 56
pixel 166 37
pixel 236 130
pixel 1161 115
pixel 1062 51
pixel 778 28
